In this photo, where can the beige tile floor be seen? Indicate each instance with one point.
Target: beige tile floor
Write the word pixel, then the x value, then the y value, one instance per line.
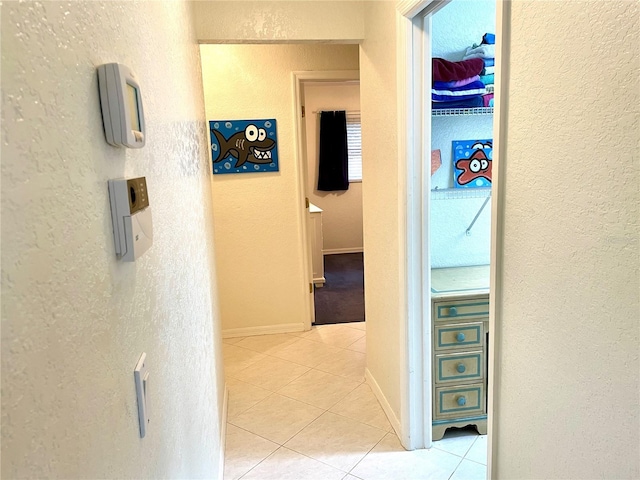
pixel 300 408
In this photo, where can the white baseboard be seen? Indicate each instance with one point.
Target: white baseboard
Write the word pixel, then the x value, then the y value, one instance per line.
pixel 375 388
pixel 223 430
pixel 266 330
pixel 335 251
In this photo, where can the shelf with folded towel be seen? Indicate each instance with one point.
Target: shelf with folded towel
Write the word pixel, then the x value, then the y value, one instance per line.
pixel 447 112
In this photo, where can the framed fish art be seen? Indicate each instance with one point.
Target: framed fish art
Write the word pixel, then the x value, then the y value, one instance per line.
pixel 244 146
pixel 472 163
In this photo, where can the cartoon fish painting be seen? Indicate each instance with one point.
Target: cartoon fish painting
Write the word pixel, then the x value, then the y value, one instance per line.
pixel 474 168
pixel 250 145
pixel 244 146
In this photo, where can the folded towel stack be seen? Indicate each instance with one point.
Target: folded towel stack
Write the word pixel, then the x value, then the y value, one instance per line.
pixel 486 52
pixel 457 84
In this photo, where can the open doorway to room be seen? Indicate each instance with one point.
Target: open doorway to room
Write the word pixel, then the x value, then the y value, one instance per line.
pixel 448 224
pixel 330 131
pixel 460 215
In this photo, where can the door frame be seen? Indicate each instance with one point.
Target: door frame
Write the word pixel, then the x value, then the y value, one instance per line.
pixel 298 79
pixel 414 132
pixel 414 120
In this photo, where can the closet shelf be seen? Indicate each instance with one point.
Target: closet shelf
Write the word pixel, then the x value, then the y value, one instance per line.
pixel 459 193
pixel 448 112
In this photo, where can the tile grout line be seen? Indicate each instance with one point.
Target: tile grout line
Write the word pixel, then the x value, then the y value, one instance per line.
pixel 365 455
pixel 286 360
pixel 324 410
pixel 455 469
pixel 385 433
pixel 461 456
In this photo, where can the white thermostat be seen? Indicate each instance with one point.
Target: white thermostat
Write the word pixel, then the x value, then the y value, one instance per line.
pixel 131 215
pixel 121 104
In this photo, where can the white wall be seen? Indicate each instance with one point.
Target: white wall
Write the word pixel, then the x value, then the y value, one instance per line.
pixel 459 24
pixel 455 27
pixel 342 211
pixel 74 319
pixel 257 216
pixel 567 386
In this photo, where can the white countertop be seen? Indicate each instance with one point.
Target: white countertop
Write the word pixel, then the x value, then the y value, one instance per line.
pixel 460 280
pixel 314 208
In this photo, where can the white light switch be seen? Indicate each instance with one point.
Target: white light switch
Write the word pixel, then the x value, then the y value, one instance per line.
pixel 141 376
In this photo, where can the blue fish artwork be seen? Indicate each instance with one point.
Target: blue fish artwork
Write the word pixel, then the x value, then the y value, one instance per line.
pixel 244 146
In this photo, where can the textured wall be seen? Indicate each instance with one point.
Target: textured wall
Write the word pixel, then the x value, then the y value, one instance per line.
pixel 74 319
pixel 258 217
pixel 567 384
pixel 342 211
pixel 381 201
pixel 282 21
pixel 459 24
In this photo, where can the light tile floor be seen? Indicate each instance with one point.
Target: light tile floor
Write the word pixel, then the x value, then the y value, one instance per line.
pixel 300 409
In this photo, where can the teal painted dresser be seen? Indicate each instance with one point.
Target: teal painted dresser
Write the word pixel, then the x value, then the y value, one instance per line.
pixel 460 323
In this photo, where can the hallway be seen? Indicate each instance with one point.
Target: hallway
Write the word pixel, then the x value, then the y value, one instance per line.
pixel 300 408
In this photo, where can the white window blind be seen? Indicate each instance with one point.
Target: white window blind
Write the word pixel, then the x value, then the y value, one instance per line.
pixel 354 146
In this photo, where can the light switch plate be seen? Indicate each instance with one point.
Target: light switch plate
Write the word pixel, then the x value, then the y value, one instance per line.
pixel 141 376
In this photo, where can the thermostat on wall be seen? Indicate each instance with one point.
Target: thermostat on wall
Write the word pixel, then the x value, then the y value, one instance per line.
pixel 121 104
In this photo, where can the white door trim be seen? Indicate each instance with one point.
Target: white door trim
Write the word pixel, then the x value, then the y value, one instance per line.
pixel 298 79
pixel 414 117
pixel 500 122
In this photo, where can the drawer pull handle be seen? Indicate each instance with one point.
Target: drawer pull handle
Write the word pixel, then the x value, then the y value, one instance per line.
pixel 453 311
pixel 461 368
pixel 462 401
pixel 460 337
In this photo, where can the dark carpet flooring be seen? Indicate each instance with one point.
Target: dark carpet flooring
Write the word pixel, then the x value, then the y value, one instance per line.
pixel 341 300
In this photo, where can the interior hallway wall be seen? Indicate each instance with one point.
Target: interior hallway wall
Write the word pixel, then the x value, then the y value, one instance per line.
pixel 342 210
pixel 258 226
pixel 567 386
pixel 74 319
pixel 383 207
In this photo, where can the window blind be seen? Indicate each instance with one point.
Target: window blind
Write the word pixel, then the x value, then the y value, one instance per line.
pixel 354 146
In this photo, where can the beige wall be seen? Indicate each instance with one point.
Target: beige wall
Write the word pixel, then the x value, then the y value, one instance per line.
pixel 258 217
pixel 567 384
pixel 342 211
pixel 283 21
pixel 74 319
pixel 381 202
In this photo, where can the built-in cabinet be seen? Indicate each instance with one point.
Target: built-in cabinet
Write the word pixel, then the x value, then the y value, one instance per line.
pixel 460 314
pixel 315 231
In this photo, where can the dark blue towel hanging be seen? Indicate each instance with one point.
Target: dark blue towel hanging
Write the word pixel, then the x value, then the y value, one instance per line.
pixel 333 163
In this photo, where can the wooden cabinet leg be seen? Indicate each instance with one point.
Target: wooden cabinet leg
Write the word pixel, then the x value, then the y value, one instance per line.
pixel 438 432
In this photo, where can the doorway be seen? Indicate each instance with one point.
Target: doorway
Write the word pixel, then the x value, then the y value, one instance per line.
pixel 336 224
pixel 415 36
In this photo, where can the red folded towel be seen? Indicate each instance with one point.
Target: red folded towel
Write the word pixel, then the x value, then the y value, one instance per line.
pixel 446 71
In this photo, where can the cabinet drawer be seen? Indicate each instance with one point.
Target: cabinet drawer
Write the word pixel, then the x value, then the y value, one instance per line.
pixel 457 367
pixel 459 401
pixel 461 309
pixel 459 335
